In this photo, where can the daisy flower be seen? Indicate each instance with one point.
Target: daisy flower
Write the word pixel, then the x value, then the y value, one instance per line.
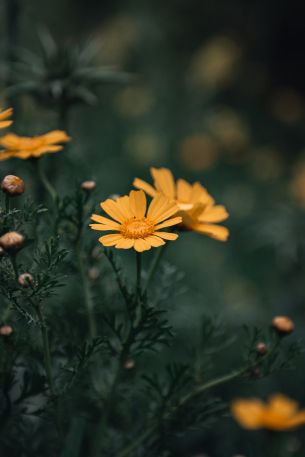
pixel 195 205
pixel 134 225
pixel 29 147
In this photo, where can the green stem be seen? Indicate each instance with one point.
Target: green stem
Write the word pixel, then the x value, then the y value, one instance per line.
pixel 46 353
pixel 154 266
pixel 87 293
pixel 45 182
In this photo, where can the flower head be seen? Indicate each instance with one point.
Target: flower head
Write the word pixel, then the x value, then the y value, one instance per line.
pixel 280 413
pixel 195 205
pixel 26 147
pixel 5 118
pixel 135 227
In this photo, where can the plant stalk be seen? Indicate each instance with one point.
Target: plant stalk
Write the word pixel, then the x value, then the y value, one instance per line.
pixel 154 266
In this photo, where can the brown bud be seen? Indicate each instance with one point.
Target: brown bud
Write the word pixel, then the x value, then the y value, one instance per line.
pixel 88 185
pixel 25 279
pixel 283 324
pixel 11 241
pixel 6 330
pixel 93 273
pixel 129 364
pixel 261 348
pixel 12 185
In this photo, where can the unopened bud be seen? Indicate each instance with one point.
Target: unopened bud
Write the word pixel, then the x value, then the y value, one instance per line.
pixel 12 185
pixel 6 330
pixel 129 364
pixel 11 241
pixel 25 279
pixel 93 273
pixel 261 348
pixel 88 185
pixel 283 324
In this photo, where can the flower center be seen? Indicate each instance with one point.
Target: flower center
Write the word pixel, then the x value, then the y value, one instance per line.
pixel 137 228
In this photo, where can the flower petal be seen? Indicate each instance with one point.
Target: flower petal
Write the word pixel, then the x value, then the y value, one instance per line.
pixel 184 191
pixel 164 181
pixel 110 207
pixel 125 243
pixel 216 213
pixel 167 235
pixel 137 202
pixel 169 222
pixel 104 220
pixel 155 241
pixel 103 227
pixel 110 240
pixel 141 245
pixel 214 231
pixel 143 185
pixel 248 413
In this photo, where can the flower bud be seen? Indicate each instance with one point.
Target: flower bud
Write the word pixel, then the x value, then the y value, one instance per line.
pixel 11 241
pixel 88 185
pixel 6 330
pixel 129 364
pixel 283 325
pixel 93 273
pixel 25 279
pixel 12 185
pixel 261 348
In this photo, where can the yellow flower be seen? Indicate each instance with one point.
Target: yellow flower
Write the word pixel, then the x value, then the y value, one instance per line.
pixel 280 413
pixel 26 147
pixel 4 118
pixel 135 228
pixel 196 207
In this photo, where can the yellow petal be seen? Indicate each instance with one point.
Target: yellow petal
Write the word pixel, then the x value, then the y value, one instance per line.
pixel 248 413
pixel 214 214
pixel 5 124
pixel 56 136
pixel 167 235
pixel 110 207
pixel 125 243
pixel 184 190
pixel 143 185
pixel 155 241
pixel 6 113
pixel 164 181
pixel 103 227
pixel 169 223
pixel 104 220
pixel 123 205
pixel 137 201
pixel 141 245
pixel 214 231
pixel 110 240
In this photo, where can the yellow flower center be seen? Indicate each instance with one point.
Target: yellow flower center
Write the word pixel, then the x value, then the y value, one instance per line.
pixel 137 228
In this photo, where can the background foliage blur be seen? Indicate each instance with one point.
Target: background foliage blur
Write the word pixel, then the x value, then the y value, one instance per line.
pixel 214 90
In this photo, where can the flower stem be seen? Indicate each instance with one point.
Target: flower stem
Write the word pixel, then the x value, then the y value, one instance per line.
pixel 86 289
pixel 154 266
pixel 45 182
pixel 48 365
pixel 13 260
pixel 7 203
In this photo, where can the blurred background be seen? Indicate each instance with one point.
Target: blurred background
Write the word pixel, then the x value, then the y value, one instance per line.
pixel 213 90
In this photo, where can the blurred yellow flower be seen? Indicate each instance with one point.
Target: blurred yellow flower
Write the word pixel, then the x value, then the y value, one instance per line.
pixel 135 227
pixel 5 118
pixel 215 64
pixel 134 101
pixel 198 152
pixel 196 207
pixel 297 185
pixel 28 147
pixel 280 413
